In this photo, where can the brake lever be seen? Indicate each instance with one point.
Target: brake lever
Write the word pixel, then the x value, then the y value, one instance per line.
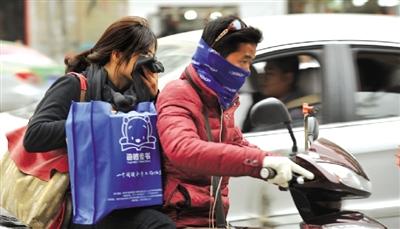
pixel 295 180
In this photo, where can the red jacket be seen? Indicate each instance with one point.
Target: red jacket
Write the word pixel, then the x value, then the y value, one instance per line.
pixel 190 160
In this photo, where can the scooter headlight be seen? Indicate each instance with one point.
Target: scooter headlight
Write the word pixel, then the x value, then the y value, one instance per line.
pixel 347 176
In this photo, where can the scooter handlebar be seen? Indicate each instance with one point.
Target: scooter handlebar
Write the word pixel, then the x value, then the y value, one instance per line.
pixel 269 173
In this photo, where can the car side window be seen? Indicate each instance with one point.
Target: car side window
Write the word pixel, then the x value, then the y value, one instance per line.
pixel 294 79
pixel 378 94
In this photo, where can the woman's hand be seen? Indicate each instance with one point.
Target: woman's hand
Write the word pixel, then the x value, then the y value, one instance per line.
pixel 151 80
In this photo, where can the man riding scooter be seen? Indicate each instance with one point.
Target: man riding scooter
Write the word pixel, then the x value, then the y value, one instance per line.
pixel 202 147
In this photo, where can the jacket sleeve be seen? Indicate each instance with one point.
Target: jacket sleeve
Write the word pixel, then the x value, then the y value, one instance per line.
pixel 184 148
pixel 244 142
pixel 46 128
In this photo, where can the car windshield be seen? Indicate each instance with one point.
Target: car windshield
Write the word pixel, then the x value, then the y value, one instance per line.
pixel 174 56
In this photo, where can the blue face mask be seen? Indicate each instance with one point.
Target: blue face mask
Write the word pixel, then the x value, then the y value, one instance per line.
pixel 218 74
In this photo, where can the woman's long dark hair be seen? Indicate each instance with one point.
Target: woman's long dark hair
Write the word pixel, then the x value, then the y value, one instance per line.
pixel 128 35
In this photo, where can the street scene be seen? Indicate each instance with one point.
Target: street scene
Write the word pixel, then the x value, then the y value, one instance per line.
pixel 200 114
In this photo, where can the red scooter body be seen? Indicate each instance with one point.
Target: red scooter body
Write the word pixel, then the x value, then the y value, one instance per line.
pixel 338 176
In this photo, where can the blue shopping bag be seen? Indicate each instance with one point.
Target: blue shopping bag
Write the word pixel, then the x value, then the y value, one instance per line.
pixel 114 159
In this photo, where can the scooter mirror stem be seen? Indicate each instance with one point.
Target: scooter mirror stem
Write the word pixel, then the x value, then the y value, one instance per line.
pixel 307 112
pixel 306 132
pixel 294 147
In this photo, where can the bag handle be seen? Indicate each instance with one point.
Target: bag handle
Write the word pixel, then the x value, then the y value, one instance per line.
pixel 83 85
pixel 220 214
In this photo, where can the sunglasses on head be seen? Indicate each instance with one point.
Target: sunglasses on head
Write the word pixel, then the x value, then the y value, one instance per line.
pixel 233 26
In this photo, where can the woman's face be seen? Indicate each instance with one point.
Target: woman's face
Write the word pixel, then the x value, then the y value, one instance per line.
pixel 126 69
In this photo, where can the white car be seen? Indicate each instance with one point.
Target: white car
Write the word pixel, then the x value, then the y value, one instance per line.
pixel 340 55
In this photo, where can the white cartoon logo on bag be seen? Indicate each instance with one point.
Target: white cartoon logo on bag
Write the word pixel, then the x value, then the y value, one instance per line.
pixel 137 134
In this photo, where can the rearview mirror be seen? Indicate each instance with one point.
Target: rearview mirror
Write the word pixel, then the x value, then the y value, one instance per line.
pixel 269 111
pixel 272 111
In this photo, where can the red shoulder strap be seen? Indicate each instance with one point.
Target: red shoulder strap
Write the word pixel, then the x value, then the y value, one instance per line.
pixel 83 81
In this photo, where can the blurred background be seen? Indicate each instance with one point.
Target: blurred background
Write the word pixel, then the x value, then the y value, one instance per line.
pixel 55 28
pixel 35 35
